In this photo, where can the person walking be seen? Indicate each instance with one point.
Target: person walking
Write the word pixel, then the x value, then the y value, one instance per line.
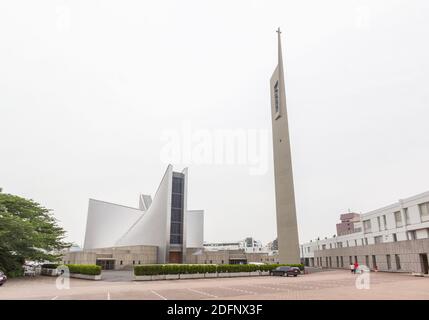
pixel 352 268
pixel 356 266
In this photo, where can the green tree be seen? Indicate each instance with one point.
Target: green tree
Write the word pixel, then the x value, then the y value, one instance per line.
pixel 28 231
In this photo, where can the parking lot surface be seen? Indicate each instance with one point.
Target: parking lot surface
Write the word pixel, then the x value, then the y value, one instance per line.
pixel 338 284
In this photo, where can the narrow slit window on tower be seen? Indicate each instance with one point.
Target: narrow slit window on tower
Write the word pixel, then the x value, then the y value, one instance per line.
pixel 276 97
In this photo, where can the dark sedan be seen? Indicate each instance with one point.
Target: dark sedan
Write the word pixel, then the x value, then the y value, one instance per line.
pixel 3 278
pixel 285 271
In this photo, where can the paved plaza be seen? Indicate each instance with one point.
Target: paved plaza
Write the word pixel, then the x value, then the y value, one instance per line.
pixel 117 285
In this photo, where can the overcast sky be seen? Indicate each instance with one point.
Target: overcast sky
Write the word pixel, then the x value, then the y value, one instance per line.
pixel 88 90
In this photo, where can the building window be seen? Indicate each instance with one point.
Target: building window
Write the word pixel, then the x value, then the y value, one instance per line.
pixel 379 223
pixel 211 261
pixel 356 260
pixel 347 243
pixel 342 261
pixel 175 239
pixel 398 262
pixel 139 261
pixel 350 260
pixel 367 261
pixel 398 219
pixel 389 264
pixel 176 215
pixel 222 261
pixel 366 241
pixel 385 222
pixel 362 241
pixel 424 211
pixel 323 246
pixel 120 262
pixel 411 235
pixel 134 262
pixel 378 239
pixel 374 262
pixel 177 185
pixel 367 226
pixel 355 243
pixel 395 238
pixel 176 228
pixel 176 201
pixel 407 216
pixel 338 262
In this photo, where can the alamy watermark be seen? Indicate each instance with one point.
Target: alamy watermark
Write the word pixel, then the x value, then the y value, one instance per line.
pixel 63 280
pixel 243 147
pixel 363 279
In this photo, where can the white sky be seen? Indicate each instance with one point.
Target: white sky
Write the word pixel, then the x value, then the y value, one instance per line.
pixel 87 88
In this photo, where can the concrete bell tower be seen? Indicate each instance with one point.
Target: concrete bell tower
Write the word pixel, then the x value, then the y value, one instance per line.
pixel 287 228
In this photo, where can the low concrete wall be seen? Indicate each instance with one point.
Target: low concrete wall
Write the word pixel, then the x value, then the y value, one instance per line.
pixel 85 276
pixel 201 275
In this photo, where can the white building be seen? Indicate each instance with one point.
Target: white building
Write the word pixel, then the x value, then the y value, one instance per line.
pixel 249 245
pixel 407 219
pixel 163 224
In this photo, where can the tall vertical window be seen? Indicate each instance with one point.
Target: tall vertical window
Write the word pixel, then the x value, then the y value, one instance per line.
pixel 384 222
pixel 367 226
pixel 398 219
pixel 398 262
pixel 407 216
pixel 379 223
pixel 176 222
pixel 276 98
pixel 374 261
pixel 424 211
pixel 389 263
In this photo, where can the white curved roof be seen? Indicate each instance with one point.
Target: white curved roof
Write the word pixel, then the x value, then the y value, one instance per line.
pixel 110 225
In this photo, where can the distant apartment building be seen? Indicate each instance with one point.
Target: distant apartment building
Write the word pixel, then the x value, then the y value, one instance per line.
pixel 350 223
pixel 248 245
pixel 394 238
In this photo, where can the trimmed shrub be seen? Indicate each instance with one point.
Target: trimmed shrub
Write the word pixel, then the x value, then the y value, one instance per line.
pixel 148 270
pixel 88 269
pixel 161 269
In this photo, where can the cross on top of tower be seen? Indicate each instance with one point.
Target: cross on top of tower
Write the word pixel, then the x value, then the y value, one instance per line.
pixel 278 30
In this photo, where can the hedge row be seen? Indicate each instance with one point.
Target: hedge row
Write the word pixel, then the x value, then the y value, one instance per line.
pixel 161 269
pixel 89 269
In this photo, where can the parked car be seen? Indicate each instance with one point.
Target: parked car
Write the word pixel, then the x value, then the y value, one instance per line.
pixel 285 271
pixel 29 271
pixel 3 278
